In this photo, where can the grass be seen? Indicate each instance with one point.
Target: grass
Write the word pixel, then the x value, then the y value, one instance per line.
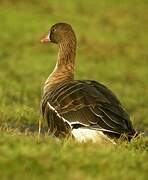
pixel 112 48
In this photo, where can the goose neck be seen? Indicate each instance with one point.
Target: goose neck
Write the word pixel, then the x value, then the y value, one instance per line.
pixel 67 53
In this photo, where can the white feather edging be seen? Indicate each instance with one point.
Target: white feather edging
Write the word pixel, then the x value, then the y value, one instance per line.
pixel 84 134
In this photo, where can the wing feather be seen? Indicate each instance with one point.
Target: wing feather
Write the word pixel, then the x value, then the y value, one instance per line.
pixel 89 104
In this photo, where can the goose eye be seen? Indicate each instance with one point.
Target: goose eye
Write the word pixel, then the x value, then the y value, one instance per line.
pixel 54 29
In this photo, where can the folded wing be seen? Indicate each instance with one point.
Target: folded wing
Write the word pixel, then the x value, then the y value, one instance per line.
pixel 88 104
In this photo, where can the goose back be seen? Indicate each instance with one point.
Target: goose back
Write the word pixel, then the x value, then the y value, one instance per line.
pixel 87 104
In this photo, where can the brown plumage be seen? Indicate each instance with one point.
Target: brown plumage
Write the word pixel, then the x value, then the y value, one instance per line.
pixel 69 104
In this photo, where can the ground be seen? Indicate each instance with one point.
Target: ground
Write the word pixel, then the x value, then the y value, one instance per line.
pixel 112 49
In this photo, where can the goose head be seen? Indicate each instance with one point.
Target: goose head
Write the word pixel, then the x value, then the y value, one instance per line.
pixel 59 33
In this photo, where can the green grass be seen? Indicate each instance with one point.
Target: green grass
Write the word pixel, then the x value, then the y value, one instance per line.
pixel 112 48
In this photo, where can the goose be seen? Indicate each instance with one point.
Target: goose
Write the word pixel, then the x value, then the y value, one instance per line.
pixel 85 110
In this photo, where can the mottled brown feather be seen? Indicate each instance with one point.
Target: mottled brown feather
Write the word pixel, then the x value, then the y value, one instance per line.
pixel 82 101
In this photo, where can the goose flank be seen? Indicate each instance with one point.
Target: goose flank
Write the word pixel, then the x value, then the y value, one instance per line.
pixel 83 109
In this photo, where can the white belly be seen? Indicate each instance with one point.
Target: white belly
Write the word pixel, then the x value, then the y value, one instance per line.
pixel 84 135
